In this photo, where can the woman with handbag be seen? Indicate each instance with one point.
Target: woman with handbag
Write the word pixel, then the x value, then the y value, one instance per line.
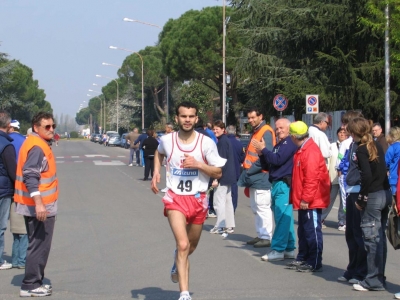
pixel 373 201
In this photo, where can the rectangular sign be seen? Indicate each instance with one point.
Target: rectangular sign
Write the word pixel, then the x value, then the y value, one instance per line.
pixel 312 104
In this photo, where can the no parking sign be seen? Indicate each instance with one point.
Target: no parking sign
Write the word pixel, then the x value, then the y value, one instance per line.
pixel 280 102
pixel 312 104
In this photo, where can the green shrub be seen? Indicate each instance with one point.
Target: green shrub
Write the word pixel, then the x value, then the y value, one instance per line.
pixel 74 135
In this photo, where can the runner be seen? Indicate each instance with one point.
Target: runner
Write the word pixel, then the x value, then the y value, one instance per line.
pixel 192 159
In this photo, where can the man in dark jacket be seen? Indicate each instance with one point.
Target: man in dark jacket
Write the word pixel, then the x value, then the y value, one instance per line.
pixel 140 141
pixel 280 165
pixel 8 166
pixel 238 155
pixel 379 136
pixel 222 195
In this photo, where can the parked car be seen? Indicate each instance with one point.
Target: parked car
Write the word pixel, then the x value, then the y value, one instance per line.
pixel 124 142
pixel 114 140
pixel 92 137
pixel 97 138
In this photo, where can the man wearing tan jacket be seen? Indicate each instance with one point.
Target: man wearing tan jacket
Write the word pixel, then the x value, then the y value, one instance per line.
pixel 133 149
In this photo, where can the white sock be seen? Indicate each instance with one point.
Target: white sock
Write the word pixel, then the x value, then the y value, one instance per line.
pixel 185 293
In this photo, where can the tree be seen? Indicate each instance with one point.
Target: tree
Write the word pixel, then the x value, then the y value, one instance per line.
pixel 306 47
pixel 192 47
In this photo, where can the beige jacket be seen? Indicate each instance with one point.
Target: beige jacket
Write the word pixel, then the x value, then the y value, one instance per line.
pixel 17 222
pixel 132 137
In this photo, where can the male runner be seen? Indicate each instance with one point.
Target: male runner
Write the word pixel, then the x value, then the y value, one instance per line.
pixel 192 158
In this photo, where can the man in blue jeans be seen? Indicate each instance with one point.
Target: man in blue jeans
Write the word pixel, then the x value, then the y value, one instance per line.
pixel 280 165
pixel 140 141
pixel 8 166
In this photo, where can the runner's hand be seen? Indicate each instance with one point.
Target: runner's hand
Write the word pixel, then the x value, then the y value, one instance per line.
pixel 190 162
pixel 154 181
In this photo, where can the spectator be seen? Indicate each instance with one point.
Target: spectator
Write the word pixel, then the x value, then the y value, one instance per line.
pixel 209 129
pixel 133 149
pixel 280 165
pixel 56 138
pixel 255 178
pixel 317 133
pixel 149 146
pixel 392 156
pixel 200 127
pixel 379 136
pixel 238 154
pixel 7 179
pixel 36 195
pixel 139 141
pixel 373 201
pixel 222 187
pixel 309 195
pixel 333 175
pixel 17 223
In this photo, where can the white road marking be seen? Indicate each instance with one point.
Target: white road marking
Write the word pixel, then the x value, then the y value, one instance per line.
pixel 74 156
pixel 121 156
pixel 96 155
pixel 59 156
pixel 108 163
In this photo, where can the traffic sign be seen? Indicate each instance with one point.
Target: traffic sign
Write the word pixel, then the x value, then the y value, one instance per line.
pixel 280 102
pixel 312 104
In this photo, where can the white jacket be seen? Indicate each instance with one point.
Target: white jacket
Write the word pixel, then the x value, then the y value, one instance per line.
pixel 333 174
pixel 321 140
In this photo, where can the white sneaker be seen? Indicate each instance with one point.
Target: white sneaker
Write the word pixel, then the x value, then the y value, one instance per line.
pixel 130 165
pixel 289 254
pixel 359 287
pixel 5 266
pixel 211 215
pixel 342 228
pixel 164 190
pixel 185 297
pixel 217 230
pixel 41 291
pixel 229 230
pixel 397 296
pixel 273 256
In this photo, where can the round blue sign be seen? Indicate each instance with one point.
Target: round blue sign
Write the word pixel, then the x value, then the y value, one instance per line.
pixel 312 101
pixel 280 102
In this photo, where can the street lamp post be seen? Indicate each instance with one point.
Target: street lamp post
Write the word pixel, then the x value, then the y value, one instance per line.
pixel 101 106
pixel 107 64
pixel 141 22
pixel 141 58
pixel 223 64
pixel 117 97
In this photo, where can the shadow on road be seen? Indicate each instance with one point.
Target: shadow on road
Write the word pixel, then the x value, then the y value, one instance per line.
pixel 154 293
pixel 17 279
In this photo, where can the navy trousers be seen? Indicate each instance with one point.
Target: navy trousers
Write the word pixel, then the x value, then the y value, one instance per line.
pixel 234 192
pixel 309 234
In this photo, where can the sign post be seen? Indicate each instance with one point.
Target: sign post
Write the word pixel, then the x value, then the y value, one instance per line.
pixel 312 104
pixel 280 103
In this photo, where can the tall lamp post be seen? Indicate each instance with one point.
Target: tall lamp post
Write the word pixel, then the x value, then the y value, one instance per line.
pixel 141 59
pixel 104 111
pixel 101 76
pixel 101 106
pixel 223 64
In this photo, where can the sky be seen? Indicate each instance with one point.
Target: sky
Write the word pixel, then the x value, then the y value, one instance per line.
pixel 66 42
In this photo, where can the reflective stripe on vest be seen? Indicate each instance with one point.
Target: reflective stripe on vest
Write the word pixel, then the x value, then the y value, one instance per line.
pixel 251 153
pixel 48 183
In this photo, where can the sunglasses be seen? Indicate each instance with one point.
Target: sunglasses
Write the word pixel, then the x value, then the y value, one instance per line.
pixel 47 127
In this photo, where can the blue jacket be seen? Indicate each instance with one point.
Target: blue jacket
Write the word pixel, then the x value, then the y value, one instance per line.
pixel 6 184
pixel 254 177
pixel 392 157
pixel 280 159
pixel 225 151
pixel 238 153
pixel 141 139
pixel 353 177
pixel 18 140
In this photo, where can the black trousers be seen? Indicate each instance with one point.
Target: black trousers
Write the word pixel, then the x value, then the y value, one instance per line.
pixel 40 235
pixel 148 166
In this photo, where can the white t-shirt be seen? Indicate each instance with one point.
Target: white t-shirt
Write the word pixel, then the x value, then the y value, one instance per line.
pixel 188 181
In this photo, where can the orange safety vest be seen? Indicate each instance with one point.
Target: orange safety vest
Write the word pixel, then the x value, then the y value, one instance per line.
pixel 251 153
pixel 48 186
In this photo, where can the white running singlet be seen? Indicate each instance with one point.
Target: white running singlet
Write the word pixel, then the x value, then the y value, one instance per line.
pixel 188 181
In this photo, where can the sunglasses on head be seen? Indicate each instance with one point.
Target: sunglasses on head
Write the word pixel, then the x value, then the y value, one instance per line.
pixel 47 127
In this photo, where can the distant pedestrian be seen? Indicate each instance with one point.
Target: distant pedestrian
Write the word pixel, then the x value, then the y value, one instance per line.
pixel 379 137
pixel 133 149
pixel 309 195
pixel 36 195
pixel 238 154
pixel 17 222
pixel 392 157
pixel 56 138
pixel 149 147
pixel 373 201
pixel 7 179
pixel 222 187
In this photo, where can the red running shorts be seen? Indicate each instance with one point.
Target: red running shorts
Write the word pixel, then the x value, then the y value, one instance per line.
pixel 193 208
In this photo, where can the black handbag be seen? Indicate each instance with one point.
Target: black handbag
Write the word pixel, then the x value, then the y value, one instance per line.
pixel 393 230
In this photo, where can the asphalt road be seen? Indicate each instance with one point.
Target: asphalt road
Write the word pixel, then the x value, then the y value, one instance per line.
pixel 112 241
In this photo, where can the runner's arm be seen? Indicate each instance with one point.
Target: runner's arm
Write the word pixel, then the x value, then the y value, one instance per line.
pixel 158 158
pixel 191 163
